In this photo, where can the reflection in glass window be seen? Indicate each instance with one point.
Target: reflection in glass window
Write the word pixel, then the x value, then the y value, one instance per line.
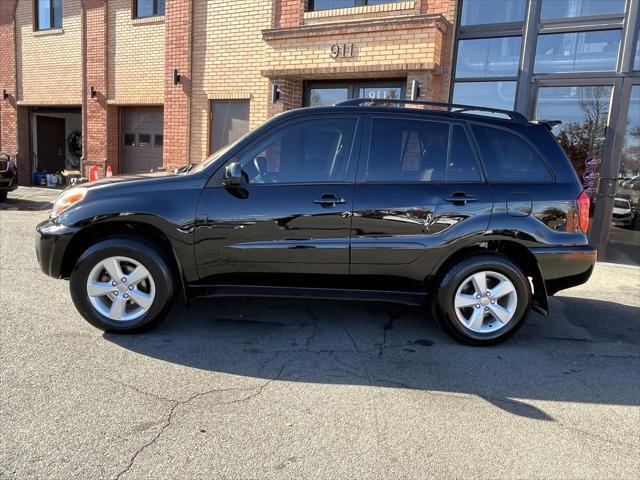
pixel 486 94
pixel 462 165
pixel 48 14
pixel 149 8
pixel 229 122
pixel 636 62
pixel 578 51
pixel 331 4
pixel 584 112
pixel 307 151
pixel 475 12
pixel 579 8
pixel 321 97
pixel 392 93
pixel 630 164
pixel 509 158
pixel 407 150
pixel 488 57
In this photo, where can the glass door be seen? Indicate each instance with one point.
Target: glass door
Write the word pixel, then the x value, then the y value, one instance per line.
pixel 623 239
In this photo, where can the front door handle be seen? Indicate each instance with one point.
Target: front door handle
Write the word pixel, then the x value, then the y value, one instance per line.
pixel 460 198
pixel 329 200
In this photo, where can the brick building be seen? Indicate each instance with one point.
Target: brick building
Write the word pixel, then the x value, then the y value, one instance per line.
pixel 138 84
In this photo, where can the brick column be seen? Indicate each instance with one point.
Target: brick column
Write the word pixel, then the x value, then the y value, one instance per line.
pixel 94 111
pixel 177 98
pixel 289 13
pixel 12 119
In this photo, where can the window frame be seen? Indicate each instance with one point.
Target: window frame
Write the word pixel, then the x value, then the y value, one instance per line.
pixel 36 16
pixel 361 178
pixel 547 164
pixel 134 10
pixel 356 3
pixel 216 179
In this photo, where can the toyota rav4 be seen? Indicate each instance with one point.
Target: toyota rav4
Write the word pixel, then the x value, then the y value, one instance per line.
pixel 481 216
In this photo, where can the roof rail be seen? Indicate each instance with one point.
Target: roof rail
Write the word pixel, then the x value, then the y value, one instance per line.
pixel 451 107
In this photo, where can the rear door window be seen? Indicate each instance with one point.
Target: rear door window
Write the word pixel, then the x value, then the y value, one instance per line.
pixel 507 157
pixel 407 150
pixel 462 165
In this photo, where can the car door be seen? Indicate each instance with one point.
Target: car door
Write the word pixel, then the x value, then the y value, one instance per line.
pixel 291 213
pixel 419 188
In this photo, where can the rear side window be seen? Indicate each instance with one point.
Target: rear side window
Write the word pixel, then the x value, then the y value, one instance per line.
pixel 407 150
pixel 509 158
pixel 462 165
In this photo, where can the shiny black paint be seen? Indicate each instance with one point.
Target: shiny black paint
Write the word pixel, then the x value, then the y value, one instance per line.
pixel 386 236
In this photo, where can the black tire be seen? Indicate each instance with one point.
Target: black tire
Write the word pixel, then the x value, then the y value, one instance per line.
pixel 3 197
pixel 456 276
pixel 139 250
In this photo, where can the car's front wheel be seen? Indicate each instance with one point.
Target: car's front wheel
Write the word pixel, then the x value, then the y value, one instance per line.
pixel 122 285
pixel 483 300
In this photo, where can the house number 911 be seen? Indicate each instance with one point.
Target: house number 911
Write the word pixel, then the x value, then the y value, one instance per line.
pixel 341 50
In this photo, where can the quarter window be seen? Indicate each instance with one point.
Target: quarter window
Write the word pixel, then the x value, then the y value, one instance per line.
pixel 509 158
pixel 48 14
pixel 149 8
pixel 407 151
pixel 312 151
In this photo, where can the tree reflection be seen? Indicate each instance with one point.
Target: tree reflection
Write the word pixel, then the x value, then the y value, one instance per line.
pixel 585 138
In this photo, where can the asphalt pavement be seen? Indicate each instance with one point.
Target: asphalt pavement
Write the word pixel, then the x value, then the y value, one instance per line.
pixel 280 389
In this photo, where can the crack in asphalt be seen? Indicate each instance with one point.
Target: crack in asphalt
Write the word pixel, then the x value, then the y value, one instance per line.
pixel 176 403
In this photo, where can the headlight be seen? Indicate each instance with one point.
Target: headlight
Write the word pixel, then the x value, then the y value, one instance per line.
pixel 67 199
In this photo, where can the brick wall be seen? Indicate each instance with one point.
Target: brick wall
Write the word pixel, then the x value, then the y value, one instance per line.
pixel 228 56
pixel 49 62
pixel 135 55
pixel 177 97
pixel 8 113
pixel 95 109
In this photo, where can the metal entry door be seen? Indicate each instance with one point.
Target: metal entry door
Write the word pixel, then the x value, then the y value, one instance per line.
pixel 141 138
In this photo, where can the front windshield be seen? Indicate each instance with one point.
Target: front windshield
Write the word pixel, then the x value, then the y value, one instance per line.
pixel 215 156
pixel 621 204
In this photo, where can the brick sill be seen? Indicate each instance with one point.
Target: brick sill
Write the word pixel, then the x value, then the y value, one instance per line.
pixel 339 12
pixel 51 31
pixel 147 20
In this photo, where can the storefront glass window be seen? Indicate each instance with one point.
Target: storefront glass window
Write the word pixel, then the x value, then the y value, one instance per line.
pixel 320 97
pixel 480 12
pixel 624 234
pixel 579 8
pixel 636 62
pixel 488 57
pixel 485 94
pixel 584 112
pixel 578 51
pixel 331 4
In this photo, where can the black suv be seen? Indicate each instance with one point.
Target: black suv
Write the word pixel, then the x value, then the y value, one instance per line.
pixel 362 200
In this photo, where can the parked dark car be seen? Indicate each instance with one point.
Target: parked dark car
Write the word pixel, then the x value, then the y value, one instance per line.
pixel 483 216
pixel 8 176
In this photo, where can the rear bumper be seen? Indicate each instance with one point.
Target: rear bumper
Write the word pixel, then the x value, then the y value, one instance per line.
pixel 565 267
pixel 51 243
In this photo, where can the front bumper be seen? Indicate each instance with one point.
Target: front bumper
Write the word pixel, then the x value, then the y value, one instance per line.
pixel 51 244
pixel 565 267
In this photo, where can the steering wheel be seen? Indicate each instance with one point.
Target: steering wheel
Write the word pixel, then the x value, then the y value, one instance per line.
pixel 260 165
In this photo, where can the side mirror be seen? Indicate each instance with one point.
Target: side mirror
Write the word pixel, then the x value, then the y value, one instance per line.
pixel 232 175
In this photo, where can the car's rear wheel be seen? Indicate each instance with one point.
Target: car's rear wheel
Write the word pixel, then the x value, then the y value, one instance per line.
pixel 122 285
pixel 483 300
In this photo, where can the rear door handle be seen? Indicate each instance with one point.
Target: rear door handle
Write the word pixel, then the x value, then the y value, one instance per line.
pixel 460 198
pixel 329 200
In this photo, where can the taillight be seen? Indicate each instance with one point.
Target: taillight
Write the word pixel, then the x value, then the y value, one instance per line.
pixel 583 211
